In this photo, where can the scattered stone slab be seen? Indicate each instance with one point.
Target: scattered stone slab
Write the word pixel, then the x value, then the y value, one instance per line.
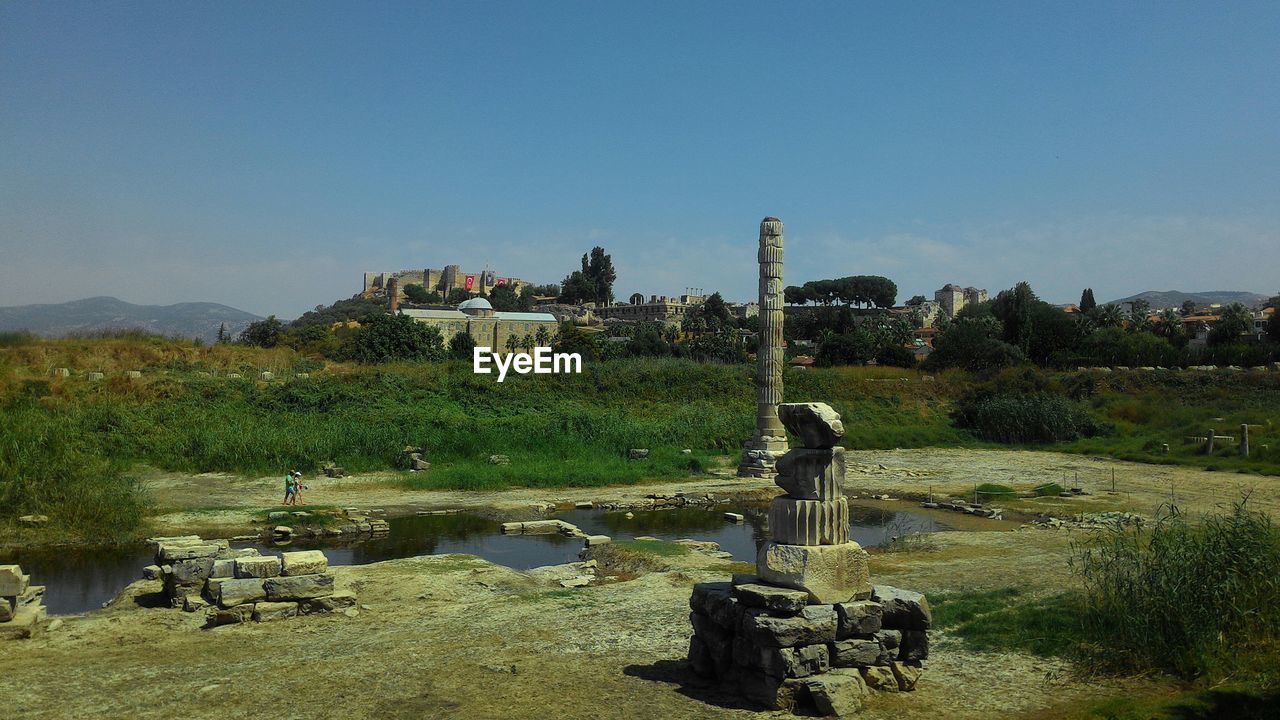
pixel 902 609
pixel 595 540
pixel 734 517
pixel 33 520
pixel 240 591
pixel 783 601
pixel 638 454
pixel 327 604
pixel 298 587
pixel 265 566
pixel 265 611
pixel 304 562
pixel 839 692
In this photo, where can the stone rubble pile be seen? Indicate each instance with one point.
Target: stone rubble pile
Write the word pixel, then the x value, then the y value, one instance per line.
pixel 239 585
pixel 22 610
pixel 809 627
pixel 1090 521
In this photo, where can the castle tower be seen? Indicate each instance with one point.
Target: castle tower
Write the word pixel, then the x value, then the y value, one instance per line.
pixel 770 439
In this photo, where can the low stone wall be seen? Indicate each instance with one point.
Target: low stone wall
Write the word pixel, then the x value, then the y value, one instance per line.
pixel 774 648
pixel 239 585
pixel 22 610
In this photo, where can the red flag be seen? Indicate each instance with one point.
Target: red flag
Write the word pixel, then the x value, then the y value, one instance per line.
pixel 470 280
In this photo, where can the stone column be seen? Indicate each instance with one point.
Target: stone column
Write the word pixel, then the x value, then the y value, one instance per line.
pixel 769 442
pixel 1244 439
pixel 809 547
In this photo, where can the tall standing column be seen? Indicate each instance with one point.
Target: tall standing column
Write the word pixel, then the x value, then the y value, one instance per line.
pixel 770 439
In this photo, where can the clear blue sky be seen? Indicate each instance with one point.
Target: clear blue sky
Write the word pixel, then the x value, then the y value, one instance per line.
pixel 264 155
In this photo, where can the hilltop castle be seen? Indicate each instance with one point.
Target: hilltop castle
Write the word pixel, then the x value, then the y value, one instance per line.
pixel 442 281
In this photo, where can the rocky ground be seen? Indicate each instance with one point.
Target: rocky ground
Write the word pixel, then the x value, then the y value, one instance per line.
pixel 216 503
pixel 456 637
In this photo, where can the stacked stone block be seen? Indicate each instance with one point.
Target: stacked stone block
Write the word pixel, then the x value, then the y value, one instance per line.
pixel 22 610
pixel 809 547
pixel 777 649
pixel 236 586
pixel 809 627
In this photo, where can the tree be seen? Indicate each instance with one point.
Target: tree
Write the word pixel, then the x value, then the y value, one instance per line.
pixel 457 296
pixel 713 314
pixel 973 343
pixel 1188 308
pixel 1236 321
pixel 263 333
pixel 895 356
pixel 512 344
pixel 572 339
pixel 504 298
pixel 1139 315
pixel 462 346
pixel 415 293
pixel 647 342
pixel 542 336
pixel 600 270
pixel 1087 302
pixel 917 300
pixel 387 338
pixel 851 348
pixel 526 342
pixel 577 288
pixel 222 334
pixel 1105 316
pixel 551 290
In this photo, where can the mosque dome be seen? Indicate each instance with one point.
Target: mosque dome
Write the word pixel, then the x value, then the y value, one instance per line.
pixel 476 306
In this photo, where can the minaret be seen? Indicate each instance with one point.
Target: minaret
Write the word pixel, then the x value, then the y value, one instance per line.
pixel 770 439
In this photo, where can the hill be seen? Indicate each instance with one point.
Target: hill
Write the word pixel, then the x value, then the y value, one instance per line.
pixel 1174 298
pixel 191 320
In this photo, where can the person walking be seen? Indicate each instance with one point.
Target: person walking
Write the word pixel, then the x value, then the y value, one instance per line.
pixel 290 489
pixel 298 487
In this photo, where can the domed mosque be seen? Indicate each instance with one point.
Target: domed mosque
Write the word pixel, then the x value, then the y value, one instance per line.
pixel 487 327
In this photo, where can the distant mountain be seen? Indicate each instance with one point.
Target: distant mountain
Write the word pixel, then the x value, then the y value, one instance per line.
pixel 193 320
pixel 1174 298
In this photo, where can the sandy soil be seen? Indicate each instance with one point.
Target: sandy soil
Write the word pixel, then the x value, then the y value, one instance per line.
pixel 456 637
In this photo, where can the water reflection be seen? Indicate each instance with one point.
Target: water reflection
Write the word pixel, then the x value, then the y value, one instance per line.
pixel 83 579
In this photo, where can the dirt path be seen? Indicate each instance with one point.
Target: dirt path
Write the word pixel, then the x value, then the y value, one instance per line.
pixel 456 637
pixel 225 503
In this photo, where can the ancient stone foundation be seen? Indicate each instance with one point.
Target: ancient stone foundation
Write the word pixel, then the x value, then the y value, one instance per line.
pixel 239 585
pixel 22 610
pixel 808 627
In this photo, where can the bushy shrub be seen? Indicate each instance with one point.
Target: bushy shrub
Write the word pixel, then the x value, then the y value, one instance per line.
pixel 1198 600
pixel 1024 418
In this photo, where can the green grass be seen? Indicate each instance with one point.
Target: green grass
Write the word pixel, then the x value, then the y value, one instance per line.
pixel 659 548
pixel 1007 619
pixel 1234 702
pixel 68 444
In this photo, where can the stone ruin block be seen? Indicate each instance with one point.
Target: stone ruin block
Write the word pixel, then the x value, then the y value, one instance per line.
pixel 817 425
pixel 829 573
pixel 808 474
pixel 809 522
pixel 22 610
pixel 264 611
pixel 303 562
pixel 298 587
pixel 265 566
pixel 240 591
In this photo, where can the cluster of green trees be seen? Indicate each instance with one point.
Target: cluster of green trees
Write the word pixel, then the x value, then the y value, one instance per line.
pixel 1016 327
pixel 855 290
pixel 593 283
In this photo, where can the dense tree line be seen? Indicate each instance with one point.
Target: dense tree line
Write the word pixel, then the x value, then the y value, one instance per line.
pixel 855 290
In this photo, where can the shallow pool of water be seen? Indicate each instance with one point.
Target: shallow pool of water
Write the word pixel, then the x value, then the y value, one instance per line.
pixel 82 579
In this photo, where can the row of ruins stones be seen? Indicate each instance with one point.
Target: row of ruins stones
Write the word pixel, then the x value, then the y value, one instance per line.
pixel 22 609
pixel 238 585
